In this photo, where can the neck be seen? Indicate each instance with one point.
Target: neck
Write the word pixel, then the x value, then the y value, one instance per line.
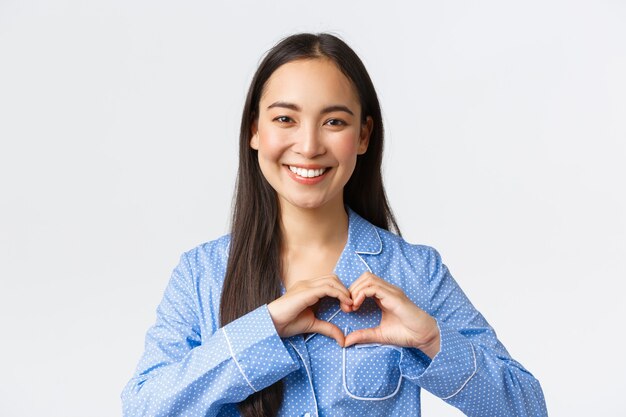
pixel 314 228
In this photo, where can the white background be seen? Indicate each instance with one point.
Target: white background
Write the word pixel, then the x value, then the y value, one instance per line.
pixel 506 132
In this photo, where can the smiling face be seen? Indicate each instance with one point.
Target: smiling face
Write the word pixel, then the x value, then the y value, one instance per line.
pixel 309 132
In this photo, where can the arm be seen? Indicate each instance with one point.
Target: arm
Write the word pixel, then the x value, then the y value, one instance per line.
pixel 472 370
pixel 184 372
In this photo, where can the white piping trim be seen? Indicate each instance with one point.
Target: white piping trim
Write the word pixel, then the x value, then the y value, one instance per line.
pixel 345 386
pixel 468 379
pixel 363 260
pixel 307 374
pixel 368 345
pixel 230 348
pixel 380 245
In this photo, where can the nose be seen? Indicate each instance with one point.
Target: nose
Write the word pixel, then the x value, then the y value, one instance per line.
pixel 309 143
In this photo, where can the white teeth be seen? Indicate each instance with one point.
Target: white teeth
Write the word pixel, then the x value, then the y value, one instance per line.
pixel 307 173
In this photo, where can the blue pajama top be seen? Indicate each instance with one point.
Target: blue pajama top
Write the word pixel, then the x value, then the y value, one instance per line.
pixel 193 367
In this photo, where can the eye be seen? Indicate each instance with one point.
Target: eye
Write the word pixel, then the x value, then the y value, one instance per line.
pixel 335 122
pixel 283 119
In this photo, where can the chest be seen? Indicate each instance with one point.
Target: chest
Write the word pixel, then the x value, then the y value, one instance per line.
pixel 306 264
pixel 357 374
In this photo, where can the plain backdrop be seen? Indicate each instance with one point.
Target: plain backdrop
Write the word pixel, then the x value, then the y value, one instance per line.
pixel 506 149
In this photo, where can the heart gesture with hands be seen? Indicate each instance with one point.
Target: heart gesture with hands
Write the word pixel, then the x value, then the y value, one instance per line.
pixel 402 323
pixel 293 313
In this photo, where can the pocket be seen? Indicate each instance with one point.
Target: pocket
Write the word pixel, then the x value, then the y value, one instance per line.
pixel 372 371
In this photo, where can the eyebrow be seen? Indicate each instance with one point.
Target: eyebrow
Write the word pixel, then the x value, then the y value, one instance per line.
pixel 295 107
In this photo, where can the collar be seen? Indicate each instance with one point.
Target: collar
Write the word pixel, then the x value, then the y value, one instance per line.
pixel 363 238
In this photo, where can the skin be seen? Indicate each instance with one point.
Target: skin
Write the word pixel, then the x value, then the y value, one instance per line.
pixel 310 117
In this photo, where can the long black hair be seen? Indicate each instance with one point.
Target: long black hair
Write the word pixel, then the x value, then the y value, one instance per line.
pixel 253 274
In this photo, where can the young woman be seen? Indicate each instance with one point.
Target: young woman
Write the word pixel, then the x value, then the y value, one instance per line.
pixel 312 305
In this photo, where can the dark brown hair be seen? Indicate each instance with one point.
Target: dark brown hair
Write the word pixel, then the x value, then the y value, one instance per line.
pixel 253 274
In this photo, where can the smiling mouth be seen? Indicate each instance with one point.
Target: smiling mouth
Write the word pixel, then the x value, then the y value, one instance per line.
pixel 307 173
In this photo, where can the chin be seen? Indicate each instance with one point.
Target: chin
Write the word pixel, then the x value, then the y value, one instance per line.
pixel 307 204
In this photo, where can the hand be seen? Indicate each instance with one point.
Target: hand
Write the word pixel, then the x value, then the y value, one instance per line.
pixel 292 313
pixel 402 324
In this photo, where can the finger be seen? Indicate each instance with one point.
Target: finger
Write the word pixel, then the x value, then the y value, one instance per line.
pixel 344 297
pixel 328 290
pixel 332 288
pixel 334 281
pixel 329 277
pixel 328 329
pixel 365 276
pixel 357 289
pixel 308 282
pixel 374 290
pixel 346 308
pixel 345 303
pixel 312 295
pixel 361 293
pixel 368 279
pixel 371 335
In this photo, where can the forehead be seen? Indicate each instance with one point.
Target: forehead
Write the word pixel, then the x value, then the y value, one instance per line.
pixel 312 82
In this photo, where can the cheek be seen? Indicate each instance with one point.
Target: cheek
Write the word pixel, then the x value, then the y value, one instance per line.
pixel 346 147
pixel 272 146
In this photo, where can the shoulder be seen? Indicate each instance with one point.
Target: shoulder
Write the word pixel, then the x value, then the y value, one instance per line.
pixel 393 241
pixel 390 251
pixel 418 257
pixel 210 251
pixel 197 281
pixel 208 260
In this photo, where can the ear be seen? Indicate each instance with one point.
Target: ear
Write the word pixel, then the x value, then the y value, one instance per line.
pixel 364 136
pixel 254 139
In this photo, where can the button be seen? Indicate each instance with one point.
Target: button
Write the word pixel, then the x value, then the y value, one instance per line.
pixel 307 414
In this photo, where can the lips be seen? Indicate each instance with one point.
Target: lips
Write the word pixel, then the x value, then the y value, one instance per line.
pixel 307 173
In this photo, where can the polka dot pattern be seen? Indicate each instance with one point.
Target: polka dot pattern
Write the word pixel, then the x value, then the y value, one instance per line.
pixel 371 371
pixel 192 367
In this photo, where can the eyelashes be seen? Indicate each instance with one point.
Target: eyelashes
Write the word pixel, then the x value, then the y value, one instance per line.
pixel 336 122
pixel 333 122
pixel 283 119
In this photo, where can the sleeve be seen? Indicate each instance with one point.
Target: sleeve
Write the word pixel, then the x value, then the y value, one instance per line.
pixel 472 371
pixel 184 372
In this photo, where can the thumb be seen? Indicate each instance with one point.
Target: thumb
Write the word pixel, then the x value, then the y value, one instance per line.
pixel 328 329
pixel 371 335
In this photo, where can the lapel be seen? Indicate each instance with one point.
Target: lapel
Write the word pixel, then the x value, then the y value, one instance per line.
pixel 363 239
pixel 297 343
